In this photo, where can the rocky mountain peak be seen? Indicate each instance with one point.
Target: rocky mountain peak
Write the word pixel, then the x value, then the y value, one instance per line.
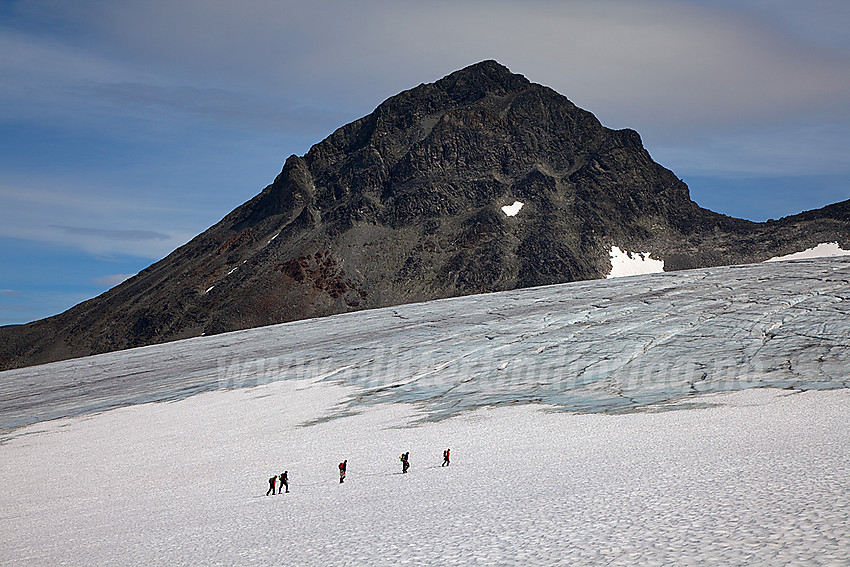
pixel 466 141
pixel 481 79
pixel 405 204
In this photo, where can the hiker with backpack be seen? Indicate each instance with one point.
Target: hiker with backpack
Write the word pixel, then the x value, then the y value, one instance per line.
pixel 342 466
pixel 405 463
pixel 446 455
pixel 271 485
pixel 284 481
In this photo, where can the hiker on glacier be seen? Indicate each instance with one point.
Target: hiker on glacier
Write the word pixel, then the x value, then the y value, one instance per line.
pixel 446 454
pixel 342 466
pixel 271 485
pixel 284 482
pixel 405 463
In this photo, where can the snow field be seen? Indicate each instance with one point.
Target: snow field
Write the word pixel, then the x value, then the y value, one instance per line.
pixel 822 250
pixel 625 263
pixel 512 209
pixel 759 476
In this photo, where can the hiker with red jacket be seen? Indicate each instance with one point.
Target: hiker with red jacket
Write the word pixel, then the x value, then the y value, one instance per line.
pixel 405 462
pixel 446 455
pixel 342 467
pixel 271 485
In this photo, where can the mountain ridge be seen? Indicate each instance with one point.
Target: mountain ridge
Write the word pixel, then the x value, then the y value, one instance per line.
pixel 404 205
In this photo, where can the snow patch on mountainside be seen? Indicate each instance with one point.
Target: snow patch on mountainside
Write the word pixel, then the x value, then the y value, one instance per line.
pixel 625 263
pixel 512 210
pixel 823 250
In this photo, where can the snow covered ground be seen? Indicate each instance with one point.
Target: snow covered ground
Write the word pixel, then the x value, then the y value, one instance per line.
pixel 513 209
pixel 624 263
pixel 823 250
pixel 756 477
pixel 589 423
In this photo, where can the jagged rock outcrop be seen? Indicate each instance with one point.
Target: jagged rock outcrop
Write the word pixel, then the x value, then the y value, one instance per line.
pixel 404 205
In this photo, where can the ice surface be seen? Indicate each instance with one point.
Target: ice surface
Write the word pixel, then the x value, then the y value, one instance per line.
pixel 823 250
pixel 756 478
pixel 606 345
pixel 625 263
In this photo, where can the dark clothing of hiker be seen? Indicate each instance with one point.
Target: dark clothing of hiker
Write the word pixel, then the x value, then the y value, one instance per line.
pixel 284 481
pixel 446 455
pixel 271 485
pixel 405 463
pixel 342 467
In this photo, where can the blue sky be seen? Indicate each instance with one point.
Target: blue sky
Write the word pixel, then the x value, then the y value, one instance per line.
pixel 127 127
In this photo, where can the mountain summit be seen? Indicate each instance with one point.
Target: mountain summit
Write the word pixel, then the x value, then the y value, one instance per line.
pixel 405 205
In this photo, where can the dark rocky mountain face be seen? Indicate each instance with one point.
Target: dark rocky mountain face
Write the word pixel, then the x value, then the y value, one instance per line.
pixel 405 205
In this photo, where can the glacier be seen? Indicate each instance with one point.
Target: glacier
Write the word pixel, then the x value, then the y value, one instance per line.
pixel 603 345
pixel 682 418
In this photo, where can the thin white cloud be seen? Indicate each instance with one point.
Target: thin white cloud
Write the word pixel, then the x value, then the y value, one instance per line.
pixel 9 292
pixel 647 64
pixel 111 280
pixel 820 22
pixel 33 213
pixel 779 150
pixel 38 72
pixel 66 83
pixel 227 107
pixel 111 234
